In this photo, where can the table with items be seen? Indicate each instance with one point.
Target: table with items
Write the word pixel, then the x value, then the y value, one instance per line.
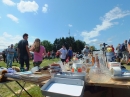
pixel 9 75
pixel 76 80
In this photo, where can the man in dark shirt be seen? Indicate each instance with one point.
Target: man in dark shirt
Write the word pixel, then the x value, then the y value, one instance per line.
pixel 23 52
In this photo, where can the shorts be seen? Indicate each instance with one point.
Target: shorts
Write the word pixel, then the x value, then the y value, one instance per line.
pixel 37 63
pixel 63 60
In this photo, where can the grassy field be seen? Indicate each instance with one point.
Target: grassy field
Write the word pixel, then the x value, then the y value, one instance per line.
pixel 45 62
pixel 34 91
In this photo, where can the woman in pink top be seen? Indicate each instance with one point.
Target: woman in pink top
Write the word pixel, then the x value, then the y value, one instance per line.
pixel 39 52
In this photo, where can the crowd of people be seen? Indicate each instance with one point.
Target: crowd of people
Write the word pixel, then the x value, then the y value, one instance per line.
pixel 37 52
pixel 23 53
pixel 121 53
pixel 10 55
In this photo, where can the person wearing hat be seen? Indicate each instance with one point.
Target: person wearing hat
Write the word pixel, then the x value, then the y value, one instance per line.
pixel 23 52
pixel 10 56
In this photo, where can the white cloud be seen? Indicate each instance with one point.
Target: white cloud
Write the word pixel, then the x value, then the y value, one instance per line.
pixel 6 35
pixel 45 8
pixel 111 39
pixel 107 19
pixel 94 40
pixel 70 25
pixel 13 18
pixel 97 42
pixel 27 6
pixel 9 2
pixel 7 39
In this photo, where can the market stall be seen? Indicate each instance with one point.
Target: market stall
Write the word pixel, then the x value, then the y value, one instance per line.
pixel 107 79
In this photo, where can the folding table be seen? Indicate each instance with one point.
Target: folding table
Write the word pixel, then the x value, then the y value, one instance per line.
pixel 25 80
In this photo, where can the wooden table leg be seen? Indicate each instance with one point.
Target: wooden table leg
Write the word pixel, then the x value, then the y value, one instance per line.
pixel 112 92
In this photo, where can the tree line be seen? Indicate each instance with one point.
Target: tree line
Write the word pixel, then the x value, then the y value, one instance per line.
pixel 77 45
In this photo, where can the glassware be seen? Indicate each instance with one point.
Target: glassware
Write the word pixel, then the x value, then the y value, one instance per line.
pixel 77 67
pixel 99 73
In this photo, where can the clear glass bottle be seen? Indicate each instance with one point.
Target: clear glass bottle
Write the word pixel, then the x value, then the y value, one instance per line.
pixel 99 73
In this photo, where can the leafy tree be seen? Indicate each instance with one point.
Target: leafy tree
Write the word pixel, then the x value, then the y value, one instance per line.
pixel 92 48
pixel 47 45
pixel 56 44
pixel 15 45
pixel 79 45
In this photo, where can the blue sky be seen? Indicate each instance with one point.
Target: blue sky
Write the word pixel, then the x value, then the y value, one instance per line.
pixel 92 21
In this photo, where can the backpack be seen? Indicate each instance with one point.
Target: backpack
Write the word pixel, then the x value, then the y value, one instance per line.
pixel 123 48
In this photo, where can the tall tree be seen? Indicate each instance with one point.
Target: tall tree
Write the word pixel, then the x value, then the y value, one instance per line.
pixel 79 45
pixel 56 44
pixel 15 45
pixel 47 45
pixel 92 48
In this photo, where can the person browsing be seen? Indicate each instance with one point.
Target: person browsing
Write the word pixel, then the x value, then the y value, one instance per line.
pixel 63 53
pixel 39 52
pixel 23 52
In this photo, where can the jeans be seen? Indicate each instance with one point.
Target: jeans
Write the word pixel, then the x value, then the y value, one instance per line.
pixel 37 64
pixel 16 58
pixel 9 60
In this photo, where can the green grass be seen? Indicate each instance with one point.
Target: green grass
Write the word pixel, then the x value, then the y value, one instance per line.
pixel 127 66
pixel 45 62
pixel 34 91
